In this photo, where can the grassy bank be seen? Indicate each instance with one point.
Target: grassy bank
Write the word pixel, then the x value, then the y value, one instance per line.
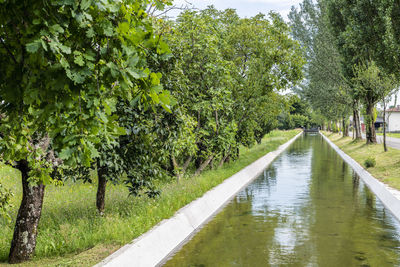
pixel 71 233
pixel 387 168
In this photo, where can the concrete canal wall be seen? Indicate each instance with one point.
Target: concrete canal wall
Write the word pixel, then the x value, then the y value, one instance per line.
pixel 153 247
pixel 390 197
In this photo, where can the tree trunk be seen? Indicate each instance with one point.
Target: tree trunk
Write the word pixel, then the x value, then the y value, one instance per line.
pixel 224 158
pixel 357 126
pixel 186 164
pixel 345 127
pixel 384 126
pixel 221 162
pixel 371 135
pixel 198 161
pixel 203 165
pixel 176 169
pixel 24 239
pixel 101 190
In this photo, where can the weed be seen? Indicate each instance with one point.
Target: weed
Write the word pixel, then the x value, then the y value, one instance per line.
pixel 370 162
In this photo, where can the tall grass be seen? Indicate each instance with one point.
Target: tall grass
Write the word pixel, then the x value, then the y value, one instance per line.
pixel 70 223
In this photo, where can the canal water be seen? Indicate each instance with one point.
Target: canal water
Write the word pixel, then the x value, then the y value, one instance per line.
pixel 308 208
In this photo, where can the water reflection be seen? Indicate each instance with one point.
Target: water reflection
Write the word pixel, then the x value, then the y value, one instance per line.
pixel 307 209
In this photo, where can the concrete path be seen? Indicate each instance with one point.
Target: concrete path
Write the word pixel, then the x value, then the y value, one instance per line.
pixel 390 141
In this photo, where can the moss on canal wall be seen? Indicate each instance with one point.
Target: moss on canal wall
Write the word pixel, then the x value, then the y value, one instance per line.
pixel 387 168
pixel 71 233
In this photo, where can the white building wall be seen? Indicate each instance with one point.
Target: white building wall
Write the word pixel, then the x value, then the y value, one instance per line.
pixel 393 122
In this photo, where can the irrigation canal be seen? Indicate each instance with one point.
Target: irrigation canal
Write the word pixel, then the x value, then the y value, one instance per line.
pixel 307 209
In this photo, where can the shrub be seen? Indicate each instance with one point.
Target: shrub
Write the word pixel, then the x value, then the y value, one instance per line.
pixel 370 162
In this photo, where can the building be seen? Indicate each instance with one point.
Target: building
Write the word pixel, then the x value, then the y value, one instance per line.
pixel 393 119
pixel 379 122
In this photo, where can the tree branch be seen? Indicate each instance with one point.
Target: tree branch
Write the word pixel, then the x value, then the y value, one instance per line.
pixel 8 50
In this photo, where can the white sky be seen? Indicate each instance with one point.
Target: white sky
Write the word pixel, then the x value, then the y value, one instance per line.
pixel 245 8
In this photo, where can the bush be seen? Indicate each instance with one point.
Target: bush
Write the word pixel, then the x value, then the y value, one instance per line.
pixel 370 162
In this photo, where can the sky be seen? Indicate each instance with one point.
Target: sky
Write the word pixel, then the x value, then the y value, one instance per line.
pixel 245 8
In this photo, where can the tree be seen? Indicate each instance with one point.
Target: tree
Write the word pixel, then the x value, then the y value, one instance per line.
pixel 63 66
pixel 370 31
pixel 272 106
pixel 372 85
pixel 265 60
pixel 140 152
pixel 199 80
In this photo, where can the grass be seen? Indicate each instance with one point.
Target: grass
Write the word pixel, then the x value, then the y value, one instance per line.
pixel 71 233
pixel 396 135
pixel 387 168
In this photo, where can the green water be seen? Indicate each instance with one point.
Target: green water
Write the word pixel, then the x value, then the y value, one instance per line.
pixel 307 209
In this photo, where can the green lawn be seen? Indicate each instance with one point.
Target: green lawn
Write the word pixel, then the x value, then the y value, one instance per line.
pixel 71 233
pixel 387 168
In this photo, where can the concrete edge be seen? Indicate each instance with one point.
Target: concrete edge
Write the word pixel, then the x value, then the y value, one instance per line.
pixel 389 196
pixel 154 246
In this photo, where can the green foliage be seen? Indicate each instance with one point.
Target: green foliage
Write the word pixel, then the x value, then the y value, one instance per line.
pixel 143 149
pixel 299 120
pixel 372 84
pixel 224 73
pixel 262 68
pixel 325 87
pixel 65 64
pixel 299 114
pixel 367 30
pixel 370 162
pixel 199 79
pixel 79 61
pixel 334 127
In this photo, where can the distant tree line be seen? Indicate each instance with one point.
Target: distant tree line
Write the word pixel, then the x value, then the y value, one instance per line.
pixel 352 58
